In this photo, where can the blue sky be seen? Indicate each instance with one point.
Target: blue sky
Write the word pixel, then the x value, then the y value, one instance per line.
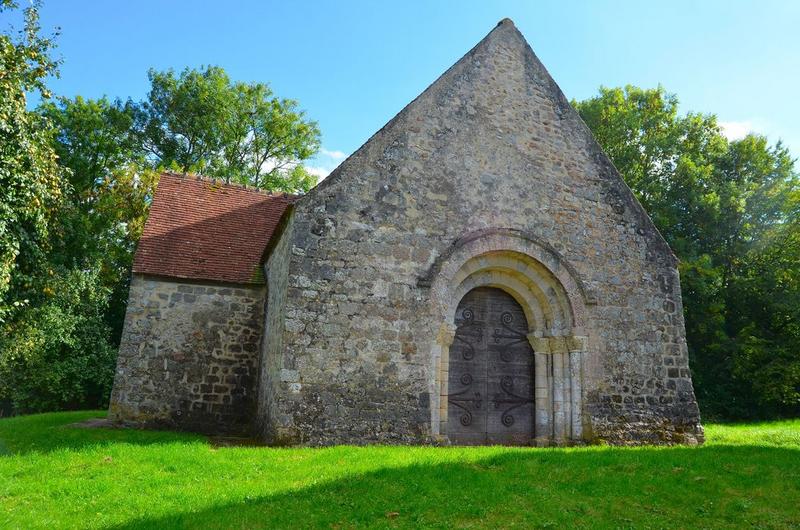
pixel 354 65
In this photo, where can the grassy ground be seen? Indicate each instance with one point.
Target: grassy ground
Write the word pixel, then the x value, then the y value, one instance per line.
pixel 53 475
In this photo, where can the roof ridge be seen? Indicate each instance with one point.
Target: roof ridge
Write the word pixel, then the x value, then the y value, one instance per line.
pixel 236 185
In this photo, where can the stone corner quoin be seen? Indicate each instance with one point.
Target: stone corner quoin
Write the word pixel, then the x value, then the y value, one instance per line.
pixel 476 273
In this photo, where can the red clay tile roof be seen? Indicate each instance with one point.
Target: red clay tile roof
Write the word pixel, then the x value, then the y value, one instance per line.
pixel 203 229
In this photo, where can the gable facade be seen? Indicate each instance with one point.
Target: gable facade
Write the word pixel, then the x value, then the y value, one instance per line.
pixel 477 272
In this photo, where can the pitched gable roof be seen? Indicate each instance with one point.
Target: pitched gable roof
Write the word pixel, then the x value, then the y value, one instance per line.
pixel 203 229
pixel 509 45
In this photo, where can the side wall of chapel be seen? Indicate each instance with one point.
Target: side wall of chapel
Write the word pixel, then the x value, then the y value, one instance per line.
pixel 188 356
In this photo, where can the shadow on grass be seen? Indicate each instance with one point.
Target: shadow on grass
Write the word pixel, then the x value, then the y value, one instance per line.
pixel 44 433
pixel 714 487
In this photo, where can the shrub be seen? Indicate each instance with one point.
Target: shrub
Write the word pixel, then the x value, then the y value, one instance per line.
pixel 57 354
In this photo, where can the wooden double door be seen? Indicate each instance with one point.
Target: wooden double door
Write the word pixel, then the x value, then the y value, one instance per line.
pixel 490 379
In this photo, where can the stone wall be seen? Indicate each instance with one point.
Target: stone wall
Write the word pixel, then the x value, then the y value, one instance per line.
pixel 276 380
pixel 493 144
pixel 188 357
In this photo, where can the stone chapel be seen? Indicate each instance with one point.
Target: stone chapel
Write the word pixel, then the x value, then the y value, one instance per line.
pixel 476 273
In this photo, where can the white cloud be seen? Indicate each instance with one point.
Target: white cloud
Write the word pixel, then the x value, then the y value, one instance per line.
pixel 336 155
pixel 324 162
pixel 735 130
pixel 319 172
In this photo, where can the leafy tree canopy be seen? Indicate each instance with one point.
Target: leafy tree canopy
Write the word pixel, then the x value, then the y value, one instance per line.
pixel 29 177
pixel 200 121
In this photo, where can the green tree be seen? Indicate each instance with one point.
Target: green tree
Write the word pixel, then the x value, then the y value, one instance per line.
pixel 200 121
pixel 30 186
pixel 93 138
pixel 54 349
pixel 765 314
pixel 725 208
pixel 106 203
pixel 57 354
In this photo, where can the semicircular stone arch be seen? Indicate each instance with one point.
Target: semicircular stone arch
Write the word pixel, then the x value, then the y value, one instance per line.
pixel 553 300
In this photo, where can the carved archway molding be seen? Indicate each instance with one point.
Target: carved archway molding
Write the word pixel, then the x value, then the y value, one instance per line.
pixel 554 301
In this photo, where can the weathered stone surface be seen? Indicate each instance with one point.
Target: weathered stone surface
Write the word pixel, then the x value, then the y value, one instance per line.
pixel 188 356
pixel 492 145
pixel 488 179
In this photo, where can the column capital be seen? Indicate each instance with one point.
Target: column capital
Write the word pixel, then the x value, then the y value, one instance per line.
pixel 561 344
pixel 558 345
pixel 577 343
pixel 539 343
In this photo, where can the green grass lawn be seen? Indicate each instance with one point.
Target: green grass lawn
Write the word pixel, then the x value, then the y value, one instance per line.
pixel 53 475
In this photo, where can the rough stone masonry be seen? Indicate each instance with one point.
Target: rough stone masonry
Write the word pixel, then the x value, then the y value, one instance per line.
pixel 346 315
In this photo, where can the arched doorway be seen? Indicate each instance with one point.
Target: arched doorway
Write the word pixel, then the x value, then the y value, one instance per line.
pixel 554 302
pixel 490 372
